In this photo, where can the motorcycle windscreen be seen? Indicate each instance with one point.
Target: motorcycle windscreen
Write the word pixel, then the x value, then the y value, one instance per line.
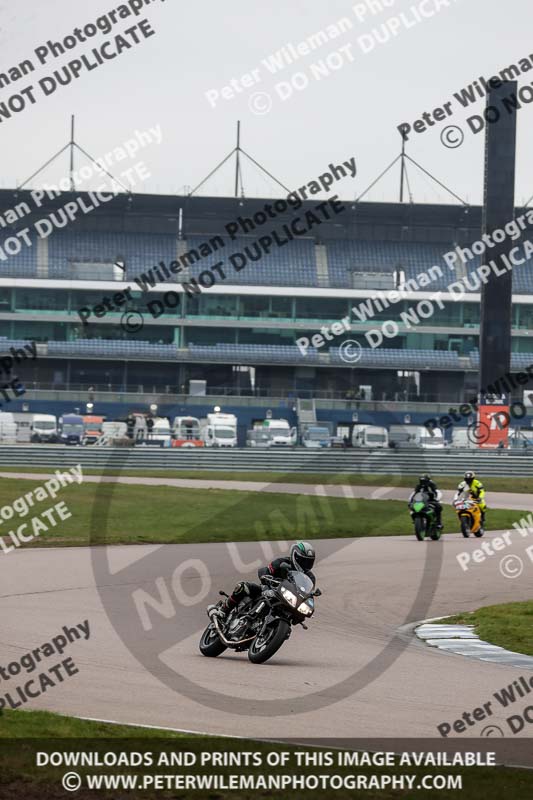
pixel 303 583
pixel 421 497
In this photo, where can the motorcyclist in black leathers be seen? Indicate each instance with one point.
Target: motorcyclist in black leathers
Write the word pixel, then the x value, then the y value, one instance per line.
pixel 427 485
pixel 301 557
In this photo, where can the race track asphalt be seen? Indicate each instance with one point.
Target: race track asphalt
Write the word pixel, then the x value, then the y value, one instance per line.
pixel 356 672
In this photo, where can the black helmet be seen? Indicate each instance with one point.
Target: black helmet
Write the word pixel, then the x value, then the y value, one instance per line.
pixel 469 476
pixel 425 479
pixel 302 556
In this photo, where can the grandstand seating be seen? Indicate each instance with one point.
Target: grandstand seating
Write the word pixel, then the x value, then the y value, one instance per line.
pixel 111 348
pixel 261 354
pixel 293 264
pixel 6 344
pixel 388 358
pixel 382 357
pixel 23 265
pixel 140 251
pixel 351 256
pixel 521 360
pixel 518 360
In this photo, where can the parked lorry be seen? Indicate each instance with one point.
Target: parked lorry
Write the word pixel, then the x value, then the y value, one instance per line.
pixel 258 437
pixel 186 432
pixel 279 432
pixel 413 436
pixel 161 431
pixel 150 430
pixel 71 429
pixel 8 428
pixel 35 427
pixel 114 433
pixel 369 436
pixel 44 428
pixel 433 440
pixel 92 426
pixel 462 437
pixel 316 436
pixel 219 430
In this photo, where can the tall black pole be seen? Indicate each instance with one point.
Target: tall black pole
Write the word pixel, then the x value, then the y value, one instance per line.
pixel 498 210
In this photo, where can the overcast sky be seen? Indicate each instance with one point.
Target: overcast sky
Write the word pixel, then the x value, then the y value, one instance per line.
pixel 202 46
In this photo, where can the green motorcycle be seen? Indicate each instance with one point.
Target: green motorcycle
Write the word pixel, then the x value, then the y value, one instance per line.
pixel 424 517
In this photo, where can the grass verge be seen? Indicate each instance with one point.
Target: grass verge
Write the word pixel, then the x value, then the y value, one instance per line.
pixel 509 625
pixel 125 514
pixel 494 484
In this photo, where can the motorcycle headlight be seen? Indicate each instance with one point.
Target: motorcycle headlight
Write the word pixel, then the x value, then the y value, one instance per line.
pixel 307 607
pixel 290 597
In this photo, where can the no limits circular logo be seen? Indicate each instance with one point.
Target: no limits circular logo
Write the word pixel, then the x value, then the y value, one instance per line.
pixel 157 602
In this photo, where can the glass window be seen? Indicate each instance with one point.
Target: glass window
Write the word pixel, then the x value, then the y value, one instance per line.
pixel 41 299
pixel 85 298
pixel 471 314
pixel 209 336
pixel 5 299
pixel 281 307
pixel 258 336
pixel 41 331
pixel 525 317
pixel 209 305
pixel 254 306
pixel 330 308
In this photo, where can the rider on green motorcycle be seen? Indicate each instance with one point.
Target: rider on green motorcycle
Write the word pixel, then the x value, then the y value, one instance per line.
pixel 427 485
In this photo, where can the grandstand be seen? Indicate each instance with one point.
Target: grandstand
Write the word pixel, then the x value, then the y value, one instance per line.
pixel 240 334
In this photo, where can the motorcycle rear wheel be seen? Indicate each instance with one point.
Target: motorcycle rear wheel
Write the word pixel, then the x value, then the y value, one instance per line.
pixel 420 528
pixel 210 643
pixel 264 648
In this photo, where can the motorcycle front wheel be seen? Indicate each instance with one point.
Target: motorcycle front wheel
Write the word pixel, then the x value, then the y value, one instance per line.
pixel 465 527
pixel 267 643
pixel 210 644
pixel 420 528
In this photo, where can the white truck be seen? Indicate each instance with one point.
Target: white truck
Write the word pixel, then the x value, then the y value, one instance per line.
pixel 461 438
pixel 369 436
pixel 413 436
pixel 219 430
pixel 279 432
pixel 24 422
pixel 152 430
pixel 186 432
pixel 8 428
pixel 35 427
pixel 316 436
pixel 430 441
pixel 44 428
pixel 161 431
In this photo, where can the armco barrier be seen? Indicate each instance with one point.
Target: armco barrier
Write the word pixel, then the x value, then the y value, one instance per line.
pixel 452 462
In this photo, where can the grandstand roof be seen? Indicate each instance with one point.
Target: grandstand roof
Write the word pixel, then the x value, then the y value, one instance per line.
pixel 151 213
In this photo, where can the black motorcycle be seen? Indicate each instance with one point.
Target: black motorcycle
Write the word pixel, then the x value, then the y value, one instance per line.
pixel 262 625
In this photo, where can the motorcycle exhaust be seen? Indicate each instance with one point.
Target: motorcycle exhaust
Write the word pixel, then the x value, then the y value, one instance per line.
pixel 225 641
